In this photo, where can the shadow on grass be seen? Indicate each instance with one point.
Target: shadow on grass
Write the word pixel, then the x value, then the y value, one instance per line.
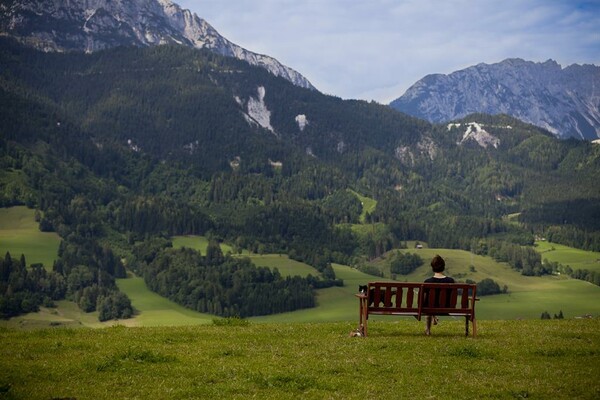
pixel 444 330
pixel 419 334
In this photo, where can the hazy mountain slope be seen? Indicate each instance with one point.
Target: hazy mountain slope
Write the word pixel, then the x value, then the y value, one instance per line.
pixel 164 99
pixel 91 25
pixel 565 101
pixel 254 136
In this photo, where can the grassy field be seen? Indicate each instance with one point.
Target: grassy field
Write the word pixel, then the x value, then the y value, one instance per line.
pixel 155 310
pixel 575 258
pixel 19 234
pixel 199 243
pixel 286 266
pixel 333 304
pixel 557 359
pixel 66 315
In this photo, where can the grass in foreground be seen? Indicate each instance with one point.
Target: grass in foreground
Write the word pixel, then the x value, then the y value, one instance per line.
pixel 555 359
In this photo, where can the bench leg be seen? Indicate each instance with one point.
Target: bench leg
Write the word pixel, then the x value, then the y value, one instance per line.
pixel 362 318
pixel 467 326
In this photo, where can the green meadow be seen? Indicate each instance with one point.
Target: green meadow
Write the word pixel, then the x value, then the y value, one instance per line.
pixel 575 258
pixel 368 205
pixel 155 310
pixel 333 304
pixel 527 297
pixel 285 265
pixel 556 359
pixel 199 243
pixel 19 234
pixel 368 229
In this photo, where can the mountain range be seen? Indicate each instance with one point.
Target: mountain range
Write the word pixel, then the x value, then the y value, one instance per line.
pixel 123 148
pixel 92 25
pixel 564 101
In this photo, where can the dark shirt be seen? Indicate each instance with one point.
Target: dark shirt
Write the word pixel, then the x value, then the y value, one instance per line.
pixel 445 279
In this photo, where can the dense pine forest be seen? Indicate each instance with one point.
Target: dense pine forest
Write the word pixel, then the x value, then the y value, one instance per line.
pixel 120 150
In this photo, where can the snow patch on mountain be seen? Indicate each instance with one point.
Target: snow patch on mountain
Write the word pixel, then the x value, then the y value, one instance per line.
pixel 302 121
pixel 133 146
pixel 275 164
pixel 475 132
pixel 258 111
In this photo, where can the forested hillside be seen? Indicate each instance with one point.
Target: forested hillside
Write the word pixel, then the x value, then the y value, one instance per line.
pixel 121 149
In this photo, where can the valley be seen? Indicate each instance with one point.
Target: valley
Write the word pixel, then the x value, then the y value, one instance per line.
pixel 134 168
pixel 528 297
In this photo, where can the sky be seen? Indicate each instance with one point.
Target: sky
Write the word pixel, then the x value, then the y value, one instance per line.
pixel 376 49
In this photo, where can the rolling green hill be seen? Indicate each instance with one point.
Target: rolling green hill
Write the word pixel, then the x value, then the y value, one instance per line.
pixel 575 258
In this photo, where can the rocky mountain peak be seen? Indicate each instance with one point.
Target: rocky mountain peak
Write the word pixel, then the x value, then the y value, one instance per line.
pixel 92 25
pixel 565 101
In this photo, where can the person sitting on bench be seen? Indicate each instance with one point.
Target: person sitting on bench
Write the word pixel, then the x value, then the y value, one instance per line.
pixel 437 265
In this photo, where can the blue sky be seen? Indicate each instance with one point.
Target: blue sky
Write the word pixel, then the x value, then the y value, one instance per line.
pixel 376 49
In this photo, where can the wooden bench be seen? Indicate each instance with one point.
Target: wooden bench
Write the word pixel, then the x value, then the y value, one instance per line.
pixel 416 300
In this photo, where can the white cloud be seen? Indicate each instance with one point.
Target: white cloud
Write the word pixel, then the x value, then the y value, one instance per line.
pixel 378 48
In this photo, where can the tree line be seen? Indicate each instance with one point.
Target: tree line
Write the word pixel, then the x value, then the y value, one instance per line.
pixel 224 285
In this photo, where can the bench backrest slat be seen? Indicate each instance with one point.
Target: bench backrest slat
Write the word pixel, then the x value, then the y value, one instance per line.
pixel 410 297
pixel 394 296
pixel 399 293
pixel 397 297
pixel 377 295
pixel 464 300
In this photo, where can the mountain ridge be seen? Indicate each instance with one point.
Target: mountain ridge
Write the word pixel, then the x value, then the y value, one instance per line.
pixel 91 25
pixel 564 101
